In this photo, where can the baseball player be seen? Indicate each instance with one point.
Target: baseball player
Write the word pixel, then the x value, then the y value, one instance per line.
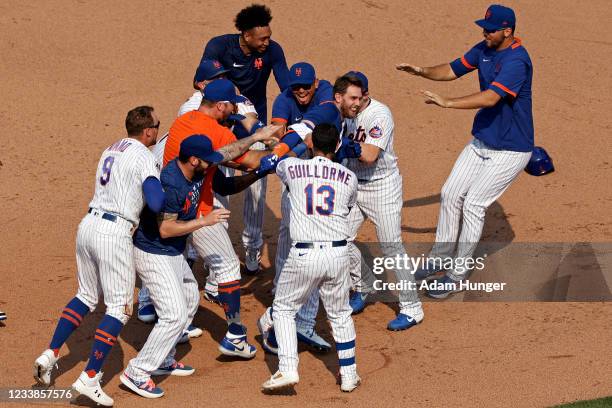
pixel 322 193
pixel 250 57
pixel 304 94
pixel 345 103
pixel 163 268
pixel 212 242
pixel 379 198
pixel 502 138
pixel 207 71
pixel 127 177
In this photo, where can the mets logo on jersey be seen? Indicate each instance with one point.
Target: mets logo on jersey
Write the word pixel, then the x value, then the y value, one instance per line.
pixel 258 63
pixel 376 132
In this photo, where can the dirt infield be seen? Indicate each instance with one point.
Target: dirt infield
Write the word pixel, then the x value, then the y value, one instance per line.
pixel 72 69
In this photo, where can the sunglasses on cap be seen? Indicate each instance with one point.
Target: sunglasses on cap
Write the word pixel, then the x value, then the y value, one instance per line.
pixel 297 87
pixel 493 31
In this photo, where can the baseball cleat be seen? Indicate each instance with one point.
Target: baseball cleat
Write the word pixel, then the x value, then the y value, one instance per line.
pixel 193 332
pixel 146 314
pixel 402 322
pixel 146 389
pixel 281 381
pixel 212 297
pixel 43 366
pixel 2 315
pixel 91 388
pixel 311 338
pixel 184 338
pixel 178 369
pixel 252 258
pixel 237 347
pixel 357 301
pixel 443 287
pixel 349 384
pixel 427 272
pixel 264 324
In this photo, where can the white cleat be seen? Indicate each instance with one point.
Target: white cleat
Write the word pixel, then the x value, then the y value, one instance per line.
pixel 91 388
pixel 281 381
pixel 43 367
pixel 237 347
pixel 349 384
pixel 193 331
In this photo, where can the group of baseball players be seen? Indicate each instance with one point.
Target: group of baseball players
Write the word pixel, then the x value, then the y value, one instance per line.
pixel 155 211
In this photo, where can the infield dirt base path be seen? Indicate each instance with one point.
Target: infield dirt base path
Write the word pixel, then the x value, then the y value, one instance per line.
pixel 72 69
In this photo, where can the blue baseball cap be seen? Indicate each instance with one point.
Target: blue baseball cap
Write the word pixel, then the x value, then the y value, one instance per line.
pixel 220 90
pixel 201 147
pixel 497 17
pixel 302 73
pixel 207 70
pixel 362 78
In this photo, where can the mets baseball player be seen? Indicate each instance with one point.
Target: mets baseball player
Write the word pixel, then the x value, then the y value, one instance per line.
pixel 322 193
pixel 305 92
pixel 212 242
pixel 502 140
pixel 207 71
pixel 127 177
pixel 345 103
pixel 379 198
pixel 250 57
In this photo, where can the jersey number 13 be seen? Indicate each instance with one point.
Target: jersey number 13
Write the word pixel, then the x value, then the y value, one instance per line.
pixel 328 194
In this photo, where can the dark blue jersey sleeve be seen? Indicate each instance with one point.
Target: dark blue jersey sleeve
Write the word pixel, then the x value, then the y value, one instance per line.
pixel 326 112
pixel 281 109
pixel 469 61
pixel 511 78
pixel 279 66
pixel 325 92
pixel 214 49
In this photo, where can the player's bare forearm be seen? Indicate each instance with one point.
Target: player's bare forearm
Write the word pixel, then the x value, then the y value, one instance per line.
pixel 442 72
pixel 237 184
pixel 170 226
pixel 369 153
pixel 484 99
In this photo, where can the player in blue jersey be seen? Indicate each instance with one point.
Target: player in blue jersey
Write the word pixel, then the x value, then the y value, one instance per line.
pixel 501 146
pixel 250 57
pixel 305 92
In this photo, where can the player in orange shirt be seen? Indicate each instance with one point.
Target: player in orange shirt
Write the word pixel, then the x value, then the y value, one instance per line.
pixel 213 243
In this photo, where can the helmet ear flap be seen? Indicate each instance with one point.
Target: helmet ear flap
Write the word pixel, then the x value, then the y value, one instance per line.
pixel 540 162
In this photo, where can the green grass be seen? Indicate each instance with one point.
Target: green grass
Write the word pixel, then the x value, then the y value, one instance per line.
pixel 596 403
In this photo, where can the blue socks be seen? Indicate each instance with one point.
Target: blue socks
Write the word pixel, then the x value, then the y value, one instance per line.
pixel 106 336
pixel 71 318
pixel 229 296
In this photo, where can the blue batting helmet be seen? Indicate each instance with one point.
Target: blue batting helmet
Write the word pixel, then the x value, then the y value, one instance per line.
pixel 540 163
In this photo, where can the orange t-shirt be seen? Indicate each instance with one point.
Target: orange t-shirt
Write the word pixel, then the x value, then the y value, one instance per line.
pixel 198 123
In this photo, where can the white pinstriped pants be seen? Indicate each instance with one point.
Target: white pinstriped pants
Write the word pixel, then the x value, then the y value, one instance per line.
pixel 307 314
pixel 325 270
pixel 175 295
pixel 105 264
pixel 213 245
pixel 253 210
pixel 478 178
pixel 381 201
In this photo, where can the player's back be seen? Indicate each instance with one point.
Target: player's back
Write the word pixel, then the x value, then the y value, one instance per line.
pixel 122 169
pixel 321 194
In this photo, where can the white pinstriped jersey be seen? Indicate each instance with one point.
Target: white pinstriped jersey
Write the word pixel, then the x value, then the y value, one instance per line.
pixel 321 193
pixel 122 169
pixel 193 103
pixel 374 125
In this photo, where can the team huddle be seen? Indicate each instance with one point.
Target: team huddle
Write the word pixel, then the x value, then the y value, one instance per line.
pixel 161 202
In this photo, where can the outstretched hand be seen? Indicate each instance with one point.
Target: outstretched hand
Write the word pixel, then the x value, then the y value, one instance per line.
pixel 215 216
pixel 411 69
pixel 434 99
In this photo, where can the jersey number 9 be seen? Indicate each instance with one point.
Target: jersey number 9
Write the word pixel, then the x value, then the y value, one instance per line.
pixel 328 194
pixel 106 170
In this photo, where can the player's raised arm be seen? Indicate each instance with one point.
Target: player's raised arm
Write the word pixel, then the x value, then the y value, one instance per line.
pixel 442 72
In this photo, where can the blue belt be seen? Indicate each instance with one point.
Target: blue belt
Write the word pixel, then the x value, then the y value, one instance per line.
pixel 106 216
pixel 309 245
